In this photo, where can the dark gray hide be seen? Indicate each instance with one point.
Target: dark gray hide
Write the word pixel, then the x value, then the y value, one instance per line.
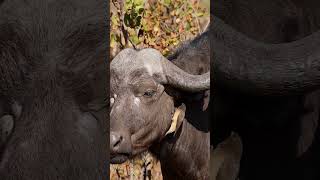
pixel 145 89
pixel 52 90
pixel 225 159
pixel 268 93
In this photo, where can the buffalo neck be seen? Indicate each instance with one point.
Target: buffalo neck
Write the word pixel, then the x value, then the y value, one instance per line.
pixel 186 154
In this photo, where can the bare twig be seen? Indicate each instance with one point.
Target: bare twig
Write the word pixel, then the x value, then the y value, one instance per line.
pixel 207 25
pixel 133 45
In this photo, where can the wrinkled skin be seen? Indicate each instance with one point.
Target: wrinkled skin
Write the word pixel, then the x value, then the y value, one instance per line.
pixel 280 133
pixel 135 92
pixel 52 90
pixel 142 109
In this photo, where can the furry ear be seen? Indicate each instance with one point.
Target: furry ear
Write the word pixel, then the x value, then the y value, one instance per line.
pixel 9 111
pixel 177 119
pixel 206 100
pixel 176 94
pixel 179 96
pixel 182 109
pixel 6 127
pixel 308 123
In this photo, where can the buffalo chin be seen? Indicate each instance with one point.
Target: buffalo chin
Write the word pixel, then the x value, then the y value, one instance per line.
pixel 119 159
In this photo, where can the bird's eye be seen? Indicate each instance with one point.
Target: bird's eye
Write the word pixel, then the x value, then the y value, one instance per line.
pixel 149 93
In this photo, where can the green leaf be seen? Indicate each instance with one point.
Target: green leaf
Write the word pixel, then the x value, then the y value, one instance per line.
pixel 114 20
pixel 188 26
pixel 167 2
pixel 138 21
pixel 140 10
pixel 127 20
pixel 135 39
pixel 200 14
pixel 138 2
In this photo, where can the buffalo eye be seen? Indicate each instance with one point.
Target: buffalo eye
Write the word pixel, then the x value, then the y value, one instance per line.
pixel 149 93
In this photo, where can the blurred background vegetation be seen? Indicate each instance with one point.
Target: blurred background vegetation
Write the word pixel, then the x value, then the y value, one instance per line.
pixel 158 24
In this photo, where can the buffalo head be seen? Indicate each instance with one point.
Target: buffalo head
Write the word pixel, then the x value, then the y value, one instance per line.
pixel 141 107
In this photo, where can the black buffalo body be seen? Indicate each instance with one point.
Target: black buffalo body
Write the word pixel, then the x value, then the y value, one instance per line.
pixel 52 90
pixel 183 155
pixel 265 90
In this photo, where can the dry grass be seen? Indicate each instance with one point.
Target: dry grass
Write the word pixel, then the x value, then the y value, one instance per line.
pixel 144 166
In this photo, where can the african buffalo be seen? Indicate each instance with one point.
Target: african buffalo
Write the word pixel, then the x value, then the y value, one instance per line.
pixel 268 93
pixel 52 90
pixel 161 105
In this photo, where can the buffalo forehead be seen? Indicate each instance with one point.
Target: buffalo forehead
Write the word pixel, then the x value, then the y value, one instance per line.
pixel 38 34
pixel 129 60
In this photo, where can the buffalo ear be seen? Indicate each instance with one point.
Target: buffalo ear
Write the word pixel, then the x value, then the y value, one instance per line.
pixel 6 127
pixel 308 123
pixel 9 111
pixel 177 119
pixel 182 109
pixel 206 100
pixel 308 130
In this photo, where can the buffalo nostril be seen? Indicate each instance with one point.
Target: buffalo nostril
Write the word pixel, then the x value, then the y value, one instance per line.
pixel 115 140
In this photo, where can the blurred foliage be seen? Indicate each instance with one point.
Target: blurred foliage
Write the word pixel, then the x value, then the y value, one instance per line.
pixel 159 24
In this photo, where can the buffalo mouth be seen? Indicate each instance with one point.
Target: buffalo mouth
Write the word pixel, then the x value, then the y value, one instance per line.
pixel 119 158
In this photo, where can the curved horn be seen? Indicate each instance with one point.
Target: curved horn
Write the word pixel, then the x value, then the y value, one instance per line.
pixel 129 60
pixel 183 80
pixel 264 69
